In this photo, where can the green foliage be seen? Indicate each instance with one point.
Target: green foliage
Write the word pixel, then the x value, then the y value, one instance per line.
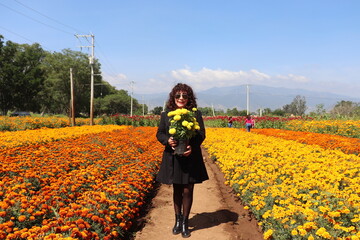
pixel 346 108
pixel 21 76
pixel 297 107
pixel 157 110
pixel 183 124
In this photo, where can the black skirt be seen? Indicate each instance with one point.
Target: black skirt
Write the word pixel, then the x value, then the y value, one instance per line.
pixel 176 169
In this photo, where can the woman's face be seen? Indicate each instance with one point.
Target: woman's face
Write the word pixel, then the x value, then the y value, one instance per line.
pixel 181 99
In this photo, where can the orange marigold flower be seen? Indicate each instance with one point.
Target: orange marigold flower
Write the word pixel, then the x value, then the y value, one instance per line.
pixel 22 218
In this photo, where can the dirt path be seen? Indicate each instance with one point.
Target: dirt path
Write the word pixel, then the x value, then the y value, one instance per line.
pixel 216 213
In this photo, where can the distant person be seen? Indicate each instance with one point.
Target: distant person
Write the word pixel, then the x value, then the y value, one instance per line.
pixel 249 123
pixel 230 121
pixel 183 172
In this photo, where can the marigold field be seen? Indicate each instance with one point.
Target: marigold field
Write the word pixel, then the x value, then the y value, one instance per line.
pixel 298 185
pixel 85 183
pixel 90 182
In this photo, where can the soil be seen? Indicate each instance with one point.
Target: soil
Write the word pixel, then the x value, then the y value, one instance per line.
pixel 217 213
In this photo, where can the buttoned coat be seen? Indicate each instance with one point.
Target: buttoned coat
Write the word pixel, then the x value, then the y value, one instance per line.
pixel 175 169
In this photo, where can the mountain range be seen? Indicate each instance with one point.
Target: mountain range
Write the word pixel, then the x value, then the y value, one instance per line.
pixel 260 97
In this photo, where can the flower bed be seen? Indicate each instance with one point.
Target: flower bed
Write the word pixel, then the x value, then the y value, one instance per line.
pixel 347 128
pixel 29 123
pixel 296 191
pixel 345 144
pixel 90 187
pixel 44 135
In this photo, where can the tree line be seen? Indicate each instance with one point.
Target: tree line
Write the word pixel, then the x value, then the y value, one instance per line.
pixel 32 79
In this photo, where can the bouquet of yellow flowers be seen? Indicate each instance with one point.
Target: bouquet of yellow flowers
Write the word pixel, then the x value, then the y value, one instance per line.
pixel 183 124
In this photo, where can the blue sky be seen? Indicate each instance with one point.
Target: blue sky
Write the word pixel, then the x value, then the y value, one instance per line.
pixel 307 44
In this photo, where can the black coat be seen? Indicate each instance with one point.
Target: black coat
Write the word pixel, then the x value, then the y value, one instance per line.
pixel 176 169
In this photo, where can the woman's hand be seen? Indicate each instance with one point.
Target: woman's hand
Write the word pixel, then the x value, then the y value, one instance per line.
pixel 188 152
pixel 172 142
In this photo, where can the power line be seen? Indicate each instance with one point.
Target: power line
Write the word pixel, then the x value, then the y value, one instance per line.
pixel 106 61
pixel 52 19
pixel 20 36
pixel 47 25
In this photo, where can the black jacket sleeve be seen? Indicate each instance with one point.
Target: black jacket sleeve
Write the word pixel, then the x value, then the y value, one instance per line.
pixel 162 134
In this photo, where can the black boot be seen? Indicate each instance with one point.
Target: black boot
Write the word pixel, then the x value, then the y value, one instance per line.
pixel 178 224
pixel 185 233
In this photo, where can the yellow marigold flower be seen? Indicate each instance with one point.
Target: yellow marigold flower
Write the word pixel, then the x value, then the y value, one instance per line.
pixel 294 232
pixel 346 211
pixel 246 207
pixel 334 214
pixel 302 232
pixel 323 233
pixel 268 234
pixel 172 131
pixel 184 111
pixel 177 117
pixel 170 114
pixel 185 123
pixel 194 109
pixel 311 237
pixel 197 127
pixel 323 209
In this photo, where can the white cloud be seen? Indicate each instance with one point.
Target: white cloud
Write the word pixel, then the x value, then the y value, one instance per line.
pixel 293 78
pixel 207 78
pixel 119 81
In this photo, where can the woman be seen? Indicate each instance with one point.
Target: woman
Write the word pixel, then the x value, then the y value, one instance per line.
pixel 182 171
pixel 249 123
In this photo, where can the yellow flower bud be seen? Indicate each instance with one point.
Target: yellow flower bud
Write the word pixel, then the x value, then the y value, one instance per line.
pixel 194 109
pixel 185 123
pixel 177 117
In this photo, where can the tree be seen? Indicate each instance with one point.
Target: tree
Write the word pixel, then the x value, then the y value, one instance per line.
pixel 296 107
pixel 56 91
pixel 319 110
pixel 118 103
pixel 233 112
pixel 278 112
pixel 346 108
pixel 206 111
pixel 157 110
pixel 21 76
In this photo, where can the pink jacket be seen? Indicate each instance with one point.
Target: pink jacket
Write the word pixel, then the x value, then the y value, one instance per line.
pixel 250 121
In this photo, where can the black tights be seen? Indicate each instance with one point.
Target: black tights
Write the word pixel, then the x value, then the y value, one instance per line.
pixel 183 196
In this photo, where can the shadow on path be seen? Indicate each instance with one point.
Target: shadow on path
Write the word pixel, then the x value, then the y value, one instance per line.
pixel 211 219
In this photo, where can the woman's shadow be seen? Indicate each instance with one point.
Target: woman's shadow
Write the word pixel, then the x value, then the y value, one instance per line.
pixel 208 220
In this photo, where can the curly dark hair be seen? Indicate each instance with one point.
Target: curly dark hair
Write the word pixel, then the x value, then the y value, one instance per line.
pixel 181 87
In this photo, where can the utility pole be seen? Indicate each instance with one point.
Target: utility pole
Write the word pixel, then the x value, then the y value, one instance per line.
pixel 91 61
pixel 143 105
pixel 72 106
pixel 131 96
pixel 247 99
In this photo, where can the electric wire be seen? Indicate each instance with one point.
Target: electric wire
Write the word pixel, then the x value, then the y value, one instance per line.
pixel 106 62
pixel 52 19
pixel 47 25
pixel 25 38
